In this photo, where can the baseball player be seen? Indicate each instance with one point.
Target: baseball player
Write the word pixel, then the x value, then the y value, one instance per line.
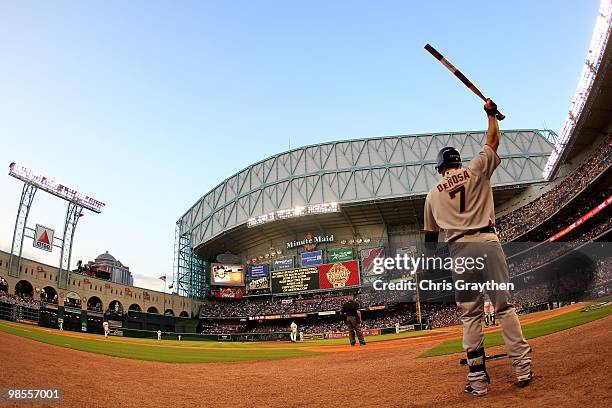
pixel 294 330
pixel 461 205
pixel 60 322
pixel 397 327
pixel 301 335
pixel 159 333
pixel 106 328
pixel 489 312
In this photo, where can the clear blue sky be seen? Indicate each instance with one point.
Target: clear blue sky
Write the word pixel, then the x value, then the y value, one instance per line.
pixel 147 105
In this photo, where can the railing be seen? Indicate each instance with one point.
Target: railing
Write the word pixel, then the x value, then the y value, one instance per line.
pixel 18 313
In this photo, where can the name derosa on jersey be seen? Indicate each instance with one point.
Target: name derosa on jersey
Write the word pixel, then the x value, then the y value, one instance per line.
pixel 453 180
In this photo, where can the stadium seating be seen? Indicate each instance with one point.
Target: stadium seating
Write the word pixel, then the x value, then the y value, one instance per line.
pixel 511 226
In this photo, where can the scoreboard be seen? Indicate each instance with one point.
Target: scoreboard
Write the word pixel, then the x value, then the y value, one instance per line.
pixel 328 276
pixel 295 280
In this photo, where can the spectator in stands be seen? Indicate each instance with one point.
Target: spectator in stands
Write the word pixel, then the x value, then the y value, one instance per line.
pixel 525 218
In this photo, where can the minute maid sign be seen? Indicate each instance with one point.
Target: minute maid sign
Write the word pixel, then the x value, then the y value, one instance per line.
pixel 310 242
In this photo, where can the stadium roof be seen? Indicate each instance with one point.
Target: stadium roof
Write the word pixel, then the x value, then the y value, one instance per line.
pixel 590 114
pixel 382 179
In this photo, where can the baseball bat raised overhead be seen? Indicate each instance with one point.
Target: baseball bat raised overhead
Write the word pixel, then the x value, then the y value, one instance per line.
pixel 459 75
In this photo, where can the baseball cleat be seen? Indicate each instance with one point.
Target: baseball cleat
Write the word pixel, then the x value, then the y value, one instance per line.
pixel 524 380
pixel 477 393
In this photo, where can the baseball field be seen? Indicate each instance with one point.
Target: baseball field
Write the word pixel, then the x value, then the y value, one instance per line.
pixel 571 349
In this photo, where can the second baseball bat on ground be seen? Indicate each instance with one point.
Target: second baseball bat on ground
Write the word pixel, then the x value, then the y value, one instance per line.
pixel 459 75
pixel 463 361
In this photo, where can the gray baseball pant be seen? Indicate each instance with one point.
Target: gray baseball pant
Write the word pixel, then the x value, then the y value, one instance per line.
pixel 472 305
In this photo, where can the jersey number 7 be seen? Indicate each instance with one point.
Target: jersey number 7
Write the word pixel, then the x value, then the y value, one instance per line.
pixel 461 191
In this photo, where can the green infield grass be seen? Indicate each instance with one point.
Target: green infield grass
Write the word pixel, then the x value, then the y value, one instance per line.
pixel 139 350
pixel 533 330
pixel 172 351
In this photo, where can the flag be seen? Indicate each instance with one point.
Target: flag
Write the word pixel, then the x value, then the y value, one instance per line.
pixel 163 278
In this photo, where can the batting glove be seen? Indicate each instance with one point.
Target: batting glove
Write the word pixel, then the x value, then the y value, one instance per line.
pixel 491 108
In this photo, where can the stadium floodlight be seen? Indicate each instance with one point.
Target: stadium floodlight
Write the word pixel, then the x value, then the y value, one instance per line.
pixel 52 187
pixel 601 33
pixel 298 211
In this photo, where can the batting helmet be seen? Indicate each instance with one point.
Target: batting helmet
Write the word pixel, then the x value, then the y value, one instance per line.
pixel 448 157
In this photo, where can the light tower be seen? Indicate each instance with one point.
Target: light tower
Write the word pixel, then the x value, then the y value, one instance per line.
pixel 77 202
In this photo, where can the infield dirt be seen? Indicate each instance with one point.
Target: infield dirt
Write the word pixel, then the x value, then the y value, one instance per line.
pixel 572 368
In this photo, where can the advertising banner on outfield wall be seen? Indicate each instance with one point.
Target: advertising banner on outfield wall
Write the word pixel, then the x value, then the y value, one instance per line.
pixel 340 255
pixel 366 332
pixel 311 258
pixel 367 259
pixel 314 336
pixel 327 313
pixel 339 275
pixel 284 263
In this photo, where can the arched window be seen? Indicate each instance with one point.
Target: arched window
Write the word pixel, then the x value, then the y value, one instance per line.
pixel 115 307
pixel 72 299
pixel 135 307
pixel 48 294
pixel 24 289
pixel 94 304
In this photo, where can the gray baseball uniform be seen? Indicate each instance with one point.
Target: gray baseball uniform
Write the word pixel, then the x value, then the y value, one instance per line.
pixel 463 200
pixel 462 205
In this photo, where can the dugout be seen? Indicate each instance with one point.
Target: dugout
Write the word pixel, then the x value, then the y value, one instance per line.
pixel 72 318
pixel 150 321
pixel 94 322
pixel 48 315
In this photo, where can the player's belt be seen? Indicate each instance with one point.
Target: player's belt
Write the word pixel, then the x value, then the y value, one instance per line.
pixel 484 230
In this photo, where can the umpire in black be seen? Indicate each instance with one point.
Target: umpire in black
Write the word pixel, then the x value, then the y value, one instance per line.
pixel 351 311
